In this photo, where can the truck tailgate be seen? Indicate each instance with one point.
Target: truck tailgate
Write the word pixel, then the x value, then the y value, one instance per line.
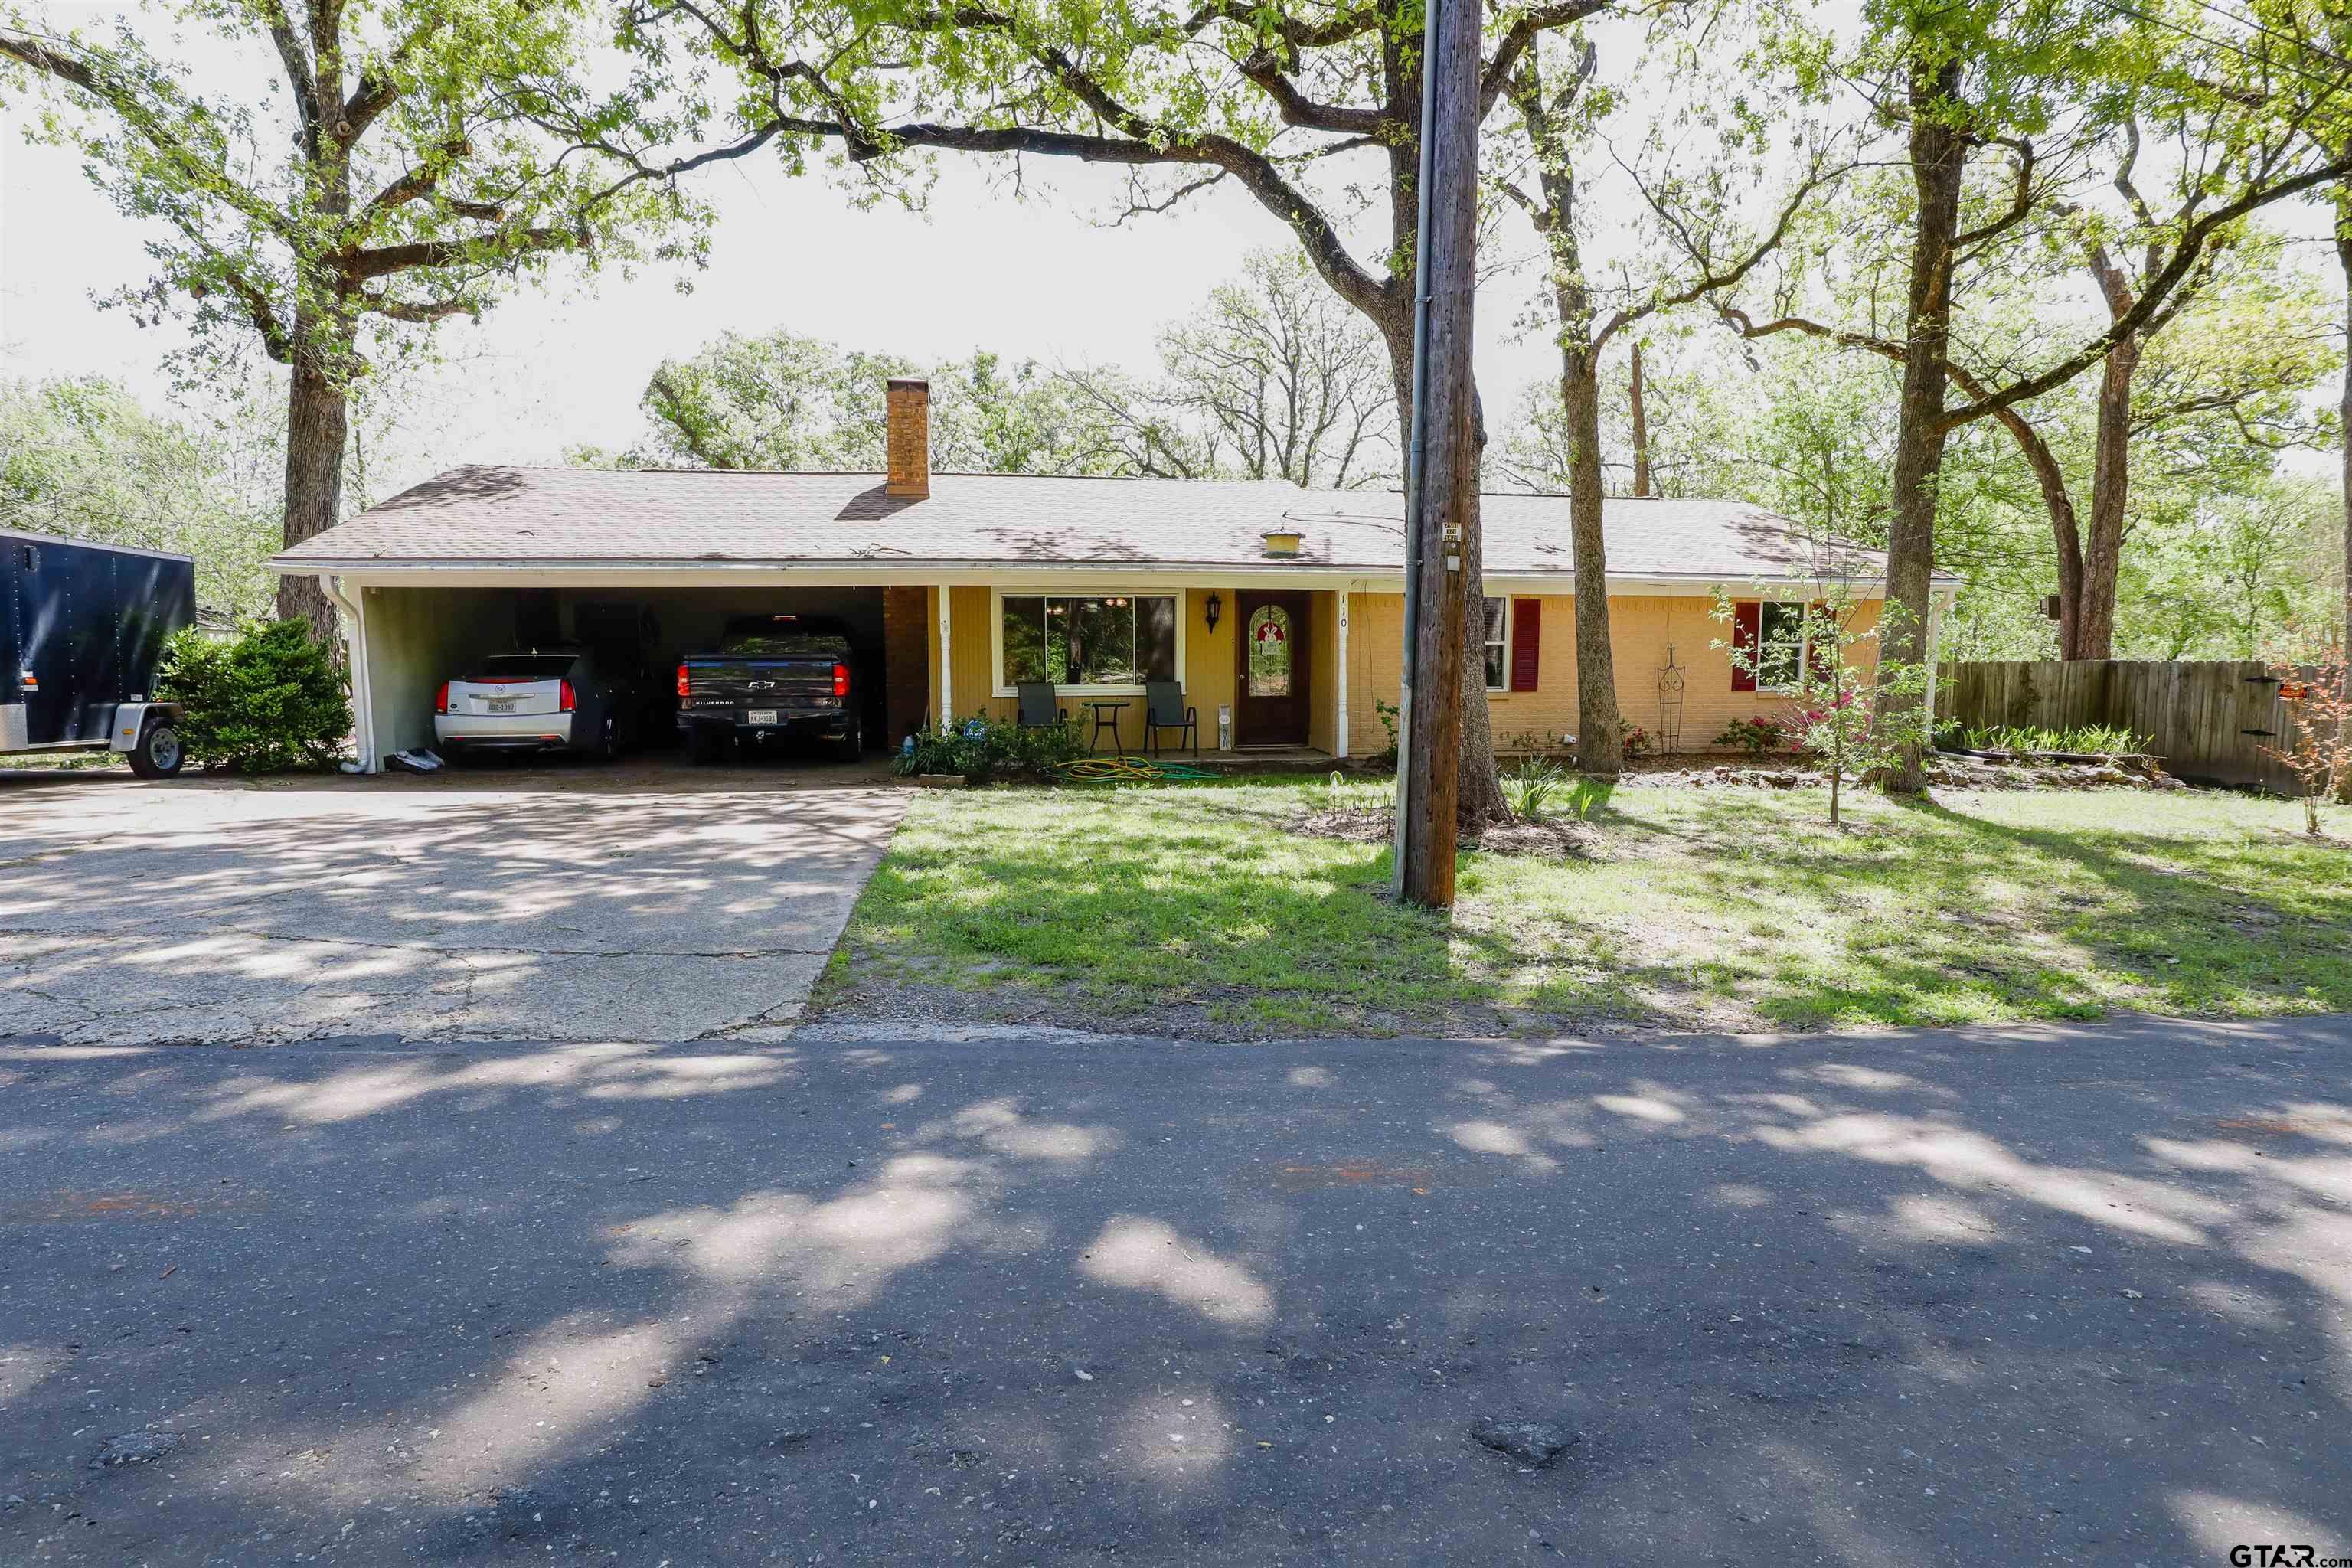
pixel 798 684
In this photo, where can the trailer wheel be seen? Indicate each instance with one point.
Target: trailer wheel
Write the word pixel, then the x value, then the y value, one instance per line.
pixel 159 754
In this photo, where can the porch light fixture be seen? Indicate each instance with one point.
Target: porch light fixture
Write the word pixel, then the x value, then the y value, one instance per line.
pixel 1213 608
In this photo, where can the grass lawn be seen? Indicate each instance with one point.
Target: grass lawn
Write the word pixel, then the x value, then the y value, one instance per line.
pixel 1198 911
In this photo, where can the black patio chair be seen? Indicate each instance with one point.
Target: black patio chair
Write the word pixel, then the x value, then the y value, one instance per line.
pixel 1038 710
pixel 1163 709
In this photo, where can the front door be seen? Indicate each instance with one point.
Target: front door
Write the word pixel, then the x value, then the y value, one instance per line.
pixel 1271 707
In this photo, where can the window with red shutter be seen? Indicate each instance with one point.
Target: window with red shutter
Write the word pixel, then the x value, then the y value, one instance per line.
pixel 1526 643
pixel 1747 635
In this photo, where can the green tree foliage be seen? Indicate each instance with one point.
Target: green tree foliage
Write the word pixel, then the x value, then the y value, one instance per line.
pixel 782 400
pixel 81 459
pixel 394 164
pixel 1271 378
pixel 269 701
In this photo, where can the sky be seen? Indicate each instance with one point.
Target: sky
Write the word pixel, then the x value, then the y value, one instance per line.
pixel 1044 278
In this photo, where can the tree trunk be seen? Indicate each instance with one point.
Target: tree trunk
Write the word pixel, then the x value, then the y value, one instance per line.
pixel 1478 795
pixel 2343 456
pixel 2110 497
pixel 1641 427
pixel 2065 532
pixel 318 425
pixel 1478 800
pixel 1938 160
pixel 1600 751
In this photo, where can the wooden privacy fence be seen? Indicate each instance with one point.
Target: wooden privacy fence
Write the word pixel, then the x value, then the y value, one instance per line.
pixel 2208 720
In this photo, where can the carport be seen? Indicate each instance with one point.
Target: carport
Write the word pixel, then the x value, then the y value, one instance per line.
pixel 411 630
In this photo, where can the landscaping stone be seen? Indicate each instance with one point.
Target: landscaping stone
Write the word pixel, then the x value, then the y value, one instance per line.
pixel 1951 770
pixel 1536 1443
pixel 940 781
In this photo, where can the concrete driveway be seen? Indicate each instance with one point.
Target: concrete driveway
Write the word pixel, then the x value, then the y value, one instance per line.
pixel 642 902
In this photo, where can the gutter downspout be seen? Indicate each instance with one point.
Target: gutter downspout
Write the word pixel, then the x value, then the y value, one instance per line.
pixel 363 704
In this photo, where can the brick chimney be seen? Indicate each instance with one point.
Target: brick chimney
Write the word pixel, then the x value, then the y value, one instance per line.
pixel 907 431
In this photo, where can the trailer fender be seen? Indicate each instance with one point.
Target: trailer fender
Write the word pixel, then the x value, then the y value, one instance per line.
pixel 131 718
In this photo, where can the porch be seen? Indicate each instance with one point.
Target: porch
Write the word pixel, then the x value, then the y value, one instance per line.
pixel 1265 670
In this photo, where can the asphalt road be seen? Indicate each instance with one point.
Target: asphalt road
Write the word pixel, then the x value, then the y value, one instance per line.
pixel 2064 1296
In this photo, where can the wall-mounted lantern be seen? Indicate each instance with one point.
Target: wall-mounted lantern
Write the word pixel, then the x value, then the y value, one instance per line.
pixel 1213 608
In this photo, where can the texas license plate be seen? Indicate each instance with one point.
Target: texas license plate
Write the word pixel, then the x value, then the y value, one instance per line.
pixel 498 704
pixel 760 716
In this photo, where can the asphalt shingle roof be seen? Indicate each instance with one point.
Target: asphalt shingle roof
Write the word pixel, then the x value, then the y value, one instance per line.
pixel 487 514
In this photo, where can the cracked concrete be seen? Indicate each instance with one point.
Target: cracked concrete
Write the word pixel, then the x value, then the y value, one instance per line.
pixel 552 904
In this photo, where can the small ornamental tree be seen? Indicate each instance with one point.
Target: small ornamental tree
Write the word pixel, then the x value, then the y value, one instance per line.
pixel 1838 716
pixel 2319 732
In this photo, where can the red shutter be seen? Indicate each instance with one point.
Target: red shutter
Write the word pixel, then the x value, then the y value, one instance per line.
pixel 1747 633
pixel 1527 642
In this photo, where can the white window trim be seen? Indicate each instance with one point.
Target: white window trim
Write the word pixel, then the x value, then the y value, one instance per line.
pixel 1804 650
pixel 1509 614
pixel 996 597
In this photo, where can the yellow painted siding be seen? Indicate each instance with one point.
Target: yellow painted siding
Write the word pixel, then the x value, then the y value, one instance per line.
pixel 1641 629
pixel 1208 672
pixel 1209 658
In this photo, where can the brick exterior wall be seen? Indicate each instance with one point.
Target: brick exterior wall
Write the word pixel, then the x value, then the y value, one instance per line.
pixel 1642 628
pixel 906 660
pixel 907 431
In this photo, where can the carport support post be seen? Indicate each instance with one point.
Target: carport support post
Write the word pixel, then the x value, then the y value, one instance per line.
pixel 946 660
pixel 356 650
pixel 1339 720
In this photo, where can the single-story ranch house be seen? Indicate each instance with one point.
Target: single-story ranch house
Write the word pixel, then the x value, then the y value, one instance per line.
pixel 1279 609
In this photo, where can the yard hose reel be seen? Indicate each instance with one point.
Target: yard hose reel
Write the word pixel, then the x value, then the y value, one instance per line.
pixel 1129 770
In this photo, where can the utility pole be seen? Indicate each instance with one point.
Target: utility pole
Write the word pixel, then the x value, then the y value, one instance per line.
pixel 1641 429
pixel 1442 459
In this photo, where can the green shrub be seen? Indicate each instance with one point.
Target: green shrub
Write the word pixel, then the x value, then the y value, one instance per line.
pixel 1536 787
pixel 2104 740
pixel 983 749
pixel 269 701
pixel 1758 735
pixel 1389 714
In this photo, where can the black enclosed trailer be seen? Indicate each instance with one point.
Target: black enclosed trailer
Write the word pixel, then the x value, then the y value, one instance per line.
pixel 82 628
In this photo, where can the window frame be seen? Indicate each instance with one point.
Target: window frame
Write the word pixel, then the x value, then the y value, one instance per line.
pixel 996 597
pixel 1486 642
pixel 1804 611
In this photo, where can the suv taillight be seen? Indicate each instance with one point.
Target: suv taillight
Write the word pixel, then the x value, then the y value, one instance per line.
pixel 841 681
pixel 565 699
pixel 441 699
pixel 683 690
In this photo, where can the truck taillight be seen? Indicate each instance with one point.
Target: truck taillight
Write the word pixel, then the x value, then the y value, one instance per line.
pixel 441 699
pixel 841 681
pixel 683 690
pixel 564 699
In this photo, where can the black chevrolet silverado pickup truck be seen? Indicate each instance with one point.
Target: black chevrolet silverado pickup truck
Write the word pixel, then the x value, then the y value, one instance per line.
pixel 773 675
